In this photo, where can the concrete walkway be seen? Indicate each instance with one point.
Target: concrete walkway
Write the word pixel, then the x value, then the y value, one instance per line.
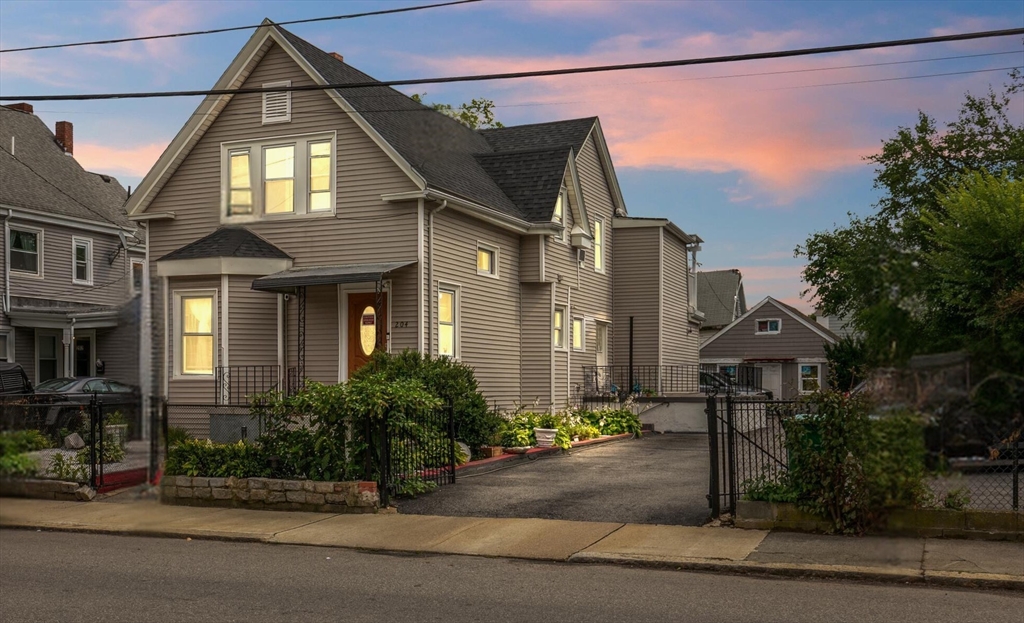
pixel 944 562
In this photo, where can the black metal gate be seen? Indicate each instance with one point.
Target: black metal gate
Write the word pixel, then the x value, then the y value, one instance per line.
pixel 410 455
pixel 746 443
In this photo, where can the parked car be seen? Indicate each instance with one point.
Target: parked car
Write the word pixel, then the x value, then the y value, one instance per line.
pixel 13 380
pixel 70 397
pixel 722 384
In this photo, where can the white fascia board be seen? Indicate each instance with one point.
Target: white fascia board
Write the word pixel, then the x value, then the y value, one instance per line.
pixel 222 266
pixel 636 223
pixel 152 216
pixel 736 322
pixel 476 210
pixel 28 214
pixel 579 215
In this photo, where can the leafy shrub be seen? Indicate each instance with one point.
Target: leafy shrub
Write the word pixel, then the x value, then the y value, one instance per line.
pixel 957 499
pixel 450 381
pixel 764 489
pixel 18 465
pixel 21 441
pixel 517 429
pixel 613 421
pixel 69 467
pixel 176 435
pixel 196 457
pixel 894 463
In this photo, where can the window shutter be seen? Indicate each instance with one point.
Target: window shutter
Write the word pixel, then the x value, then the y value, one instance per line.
pixel 277 105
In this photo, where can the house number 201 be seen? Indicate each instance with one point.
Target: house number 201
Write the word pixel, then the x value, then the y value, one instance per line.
pixel 401 324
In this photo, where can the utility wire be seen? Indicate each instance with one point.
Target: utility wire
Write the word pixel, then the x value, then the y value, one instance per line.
pixel 535 74
pixel 950 73
pixel 691 79
pixel 234 28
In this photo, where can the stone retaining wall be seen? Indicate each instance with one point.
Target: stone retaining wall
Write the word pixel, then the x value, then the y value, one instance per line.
pixel 45 489
pixel 271 494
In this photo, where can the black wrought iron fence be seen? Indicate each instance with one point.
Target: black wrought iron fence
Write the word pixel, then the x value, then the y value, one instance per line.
pixel 641 380
pixel 410 455
pixel 235 385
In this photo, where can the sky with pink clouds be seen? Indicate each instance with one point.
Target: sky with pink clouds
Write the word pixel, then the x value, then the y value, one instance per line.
pixel 751 156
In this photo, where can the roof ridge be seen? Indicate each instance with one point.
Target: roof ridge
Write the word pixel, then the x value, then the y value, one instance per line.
pixel 512 152
pixel 528 125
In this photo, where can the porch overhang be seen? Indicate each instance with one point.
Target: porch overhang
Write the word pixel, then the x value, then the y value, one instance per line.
pixel 288 281
pixel 60 318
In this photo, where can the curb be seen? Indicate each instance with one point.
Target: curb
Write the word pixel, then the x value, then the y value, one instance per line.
pixel 828 572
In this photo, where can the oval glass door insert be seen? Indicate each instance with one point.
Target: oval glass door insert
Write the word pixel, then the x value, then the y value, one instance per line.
pixel 368 330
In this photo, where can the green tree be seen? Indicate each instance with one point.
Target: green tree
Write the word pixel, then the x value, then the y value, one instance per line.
pixel 873 269
pixel 477 113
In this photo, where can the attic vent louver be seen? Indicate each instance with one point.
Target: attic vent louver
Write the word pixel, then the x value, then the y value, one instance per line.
pixel 277 105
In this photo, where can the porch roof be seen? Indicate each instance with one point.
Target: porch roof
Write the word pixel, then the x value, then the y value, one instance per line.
pixel 287 281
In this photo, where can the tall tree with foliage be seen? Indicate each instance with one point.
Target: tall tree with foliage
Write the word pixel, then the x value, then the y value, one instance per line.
pixel 876 268
pixel 477 114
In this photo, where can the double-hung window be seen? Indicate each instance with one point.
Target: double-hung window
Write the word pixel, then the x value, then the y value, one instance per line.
pixel 196 337
pixel 279 178
pixel 599 246
pixel 82 262
pixel 579 335
pixel 810 377
pixel 447 315
pixel 558 322
pixel 27 251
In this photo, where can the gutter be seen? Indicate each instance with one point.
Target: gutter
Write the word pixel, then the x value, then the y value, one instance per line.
pixel 478 210
pixel 431 288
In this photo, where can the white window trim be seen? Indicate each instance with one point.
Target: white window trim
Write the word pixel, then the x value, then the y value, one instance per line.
pixel 456 290
pixel 131 275
pixel 39 252
pixel 565 329
pixel 760 320
pixel 87 242
pixel 288 98
pixel 300 187
pixel 495 259
pixel 564 194
pixel 800 377
pixel 177 336
pixel 599 244
pixel 583 334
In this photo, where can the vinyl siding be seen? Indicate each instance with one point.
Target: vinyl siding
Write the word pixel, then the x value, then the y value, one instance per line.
pixel 530 260
pixel 56 283
pixel 489 321
pixel 794 341
pixel 252 324
pixel 365 229
pixel 188 390
pixel 118 347
pixel 636 294
pixel 536 349
pixel 322 338
pixel 680 339
pixel 25 350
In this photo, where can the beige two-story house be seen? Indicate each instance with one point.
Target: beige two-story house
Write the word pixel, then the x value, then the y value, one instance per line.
pixel 294 232
pixel 72 266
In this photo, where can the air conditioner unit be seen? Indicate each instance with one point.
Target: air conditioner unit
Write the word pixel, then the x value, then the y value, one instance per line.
pixel 581 255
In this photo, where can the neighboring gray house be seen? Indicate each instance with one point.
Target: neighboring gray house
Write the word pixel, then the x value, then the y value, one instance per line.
pixel 840 325
pixel 72 268
pixel 296 232
pixel 721 298
pixel 788 346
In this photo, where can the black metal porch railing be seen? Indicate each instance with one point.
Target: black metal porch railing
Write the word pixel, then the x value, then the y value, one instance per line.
pixel 641 380
pixel 236 384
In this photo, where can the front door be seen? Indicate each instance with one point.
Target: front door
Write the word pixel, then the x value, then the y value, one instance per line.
pixel 771 378
pixel 83 356
pixel 363 323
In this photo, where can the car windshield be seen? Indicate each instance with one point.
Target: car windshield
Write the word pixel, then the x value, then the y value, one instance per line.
pixel 56 385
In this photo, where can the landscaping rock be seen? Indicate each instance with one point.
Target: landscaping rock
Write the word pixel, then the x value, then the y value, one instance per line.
pixel 85 493
pixel 74 441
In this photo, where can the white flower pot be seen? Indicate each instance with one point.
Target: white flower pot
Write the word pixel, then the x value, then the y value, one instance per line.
pixel 545 437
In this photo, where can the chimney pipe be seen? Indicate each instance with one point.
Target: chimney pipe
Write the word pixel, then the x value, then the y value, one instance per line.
pixel 338 56
pixel 21 107
pixel 65 137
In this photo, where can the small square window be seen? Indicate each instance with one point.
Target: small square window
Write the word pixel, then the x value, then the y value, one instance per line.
pixel 810 378
pixel 486 261
pixel 769 326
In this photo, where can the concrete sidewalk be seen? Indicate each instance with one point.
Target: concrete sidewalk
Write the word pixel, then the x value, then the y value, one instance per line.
pixel 934 561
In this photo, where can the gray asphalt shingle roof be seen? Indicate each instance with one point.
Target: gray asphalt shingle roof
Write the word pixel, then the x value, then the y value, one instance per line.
pixel 38 175
pixel 453 157
pixel 716 296
pixel 227 242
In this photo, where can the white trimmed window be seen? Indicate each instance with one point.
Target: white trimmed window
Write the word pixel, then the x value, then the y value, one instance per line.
pixel 810 377
pixel 277 105
pixel 278 178
pixel 579 334
pixel 26 251
pixel 561 204
pixel 195 333
pixel 81 261
pixel 728 370
pixel 447 321
pixel 558 324
pixel 486 260
pixel 599 246
pixel 5 347
pixel 138 276
pixel 769 326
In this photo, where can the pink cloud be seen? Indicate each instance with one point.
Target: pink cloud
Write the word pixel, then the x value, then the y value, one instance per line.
pixel 141 19
pixel 118 161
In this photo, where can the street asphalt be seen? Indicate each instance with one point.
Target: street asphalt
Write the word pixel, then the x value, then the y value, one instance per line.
pixel 657 479
pixel 108 579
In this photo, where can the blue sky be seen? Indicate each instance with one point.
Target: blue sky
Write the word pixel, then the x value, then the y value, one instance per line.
pixel 753 164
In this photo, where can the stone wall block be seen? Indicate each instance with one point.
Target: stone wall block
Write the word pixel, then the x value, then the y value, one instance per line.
pixel 222 493
pixel 202 493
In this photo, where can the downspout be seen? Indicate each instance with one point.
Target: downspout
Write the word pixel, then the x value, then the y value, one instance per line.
pixel 430 270
pixel 568 350
pixel 7 261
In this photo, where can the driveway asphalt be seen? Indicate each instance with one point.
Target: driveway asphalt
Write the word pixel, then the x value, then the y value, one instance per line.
pixel 657 479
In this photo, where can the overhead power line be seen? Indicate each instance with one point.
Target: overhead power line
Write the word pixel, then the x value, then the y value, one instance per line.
pixel 869 80
pixel 710 60
pixel 235 28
